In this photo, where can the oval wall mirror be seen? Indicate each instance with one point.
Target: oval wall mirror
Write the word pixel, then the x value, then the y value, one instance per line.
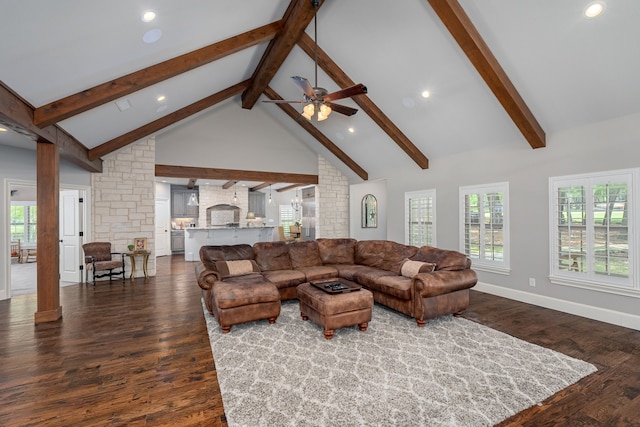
pixel 369 211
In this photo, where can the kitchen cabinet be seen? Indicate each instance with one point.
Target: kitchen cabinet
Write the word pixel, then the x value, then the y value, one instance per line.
pixel 179 202
pixel 256 203
pixel 177 240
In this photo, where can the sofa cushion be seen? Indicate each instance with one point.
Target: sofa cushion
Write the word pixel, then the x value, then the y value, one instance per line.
pixel 284 278
pixel 304 254
pixel 209 254
pixel 383 254
pixel 319 273
pixel 337 251
pixel 236 268
pixel 411 268
pixel 397 286
pixel 442 258
pixel 272 256
pixel 347 271
pixel 367 276
pixel 246 290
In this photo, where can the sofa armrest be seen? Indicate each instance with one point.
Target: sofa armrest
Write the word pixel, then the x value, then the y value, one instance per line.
pixel 206 278
pixel 443 282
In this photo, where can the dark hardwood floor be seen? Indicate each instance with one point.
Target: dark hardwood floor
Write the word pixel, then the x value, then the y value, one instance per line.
pixel 137 354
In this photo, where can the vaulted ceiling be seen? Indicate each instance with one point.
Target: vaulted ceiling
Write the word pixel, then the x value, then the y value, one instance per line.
pixel 498 72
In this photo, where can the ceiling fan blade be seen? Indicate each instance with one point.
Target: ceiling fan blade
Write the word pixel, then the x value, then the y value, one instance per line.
pixel 305 86
pixel 348 92
pixel 342 109
pixel 284 101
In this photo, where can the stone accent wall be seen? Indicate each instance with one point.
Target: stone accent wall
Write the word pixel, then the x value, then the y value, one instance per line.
pixel 210 195
pixel 332 210
pixel 123 201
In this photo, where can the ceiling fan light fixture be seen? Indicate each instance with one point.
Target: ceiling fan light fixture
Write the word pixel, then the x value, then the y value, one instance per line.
pixel 308 111
pixel 324 112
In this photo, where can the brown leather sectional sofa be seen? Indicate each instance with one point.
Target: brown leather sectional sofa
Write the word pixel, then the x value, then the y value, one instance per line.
pixel 239 282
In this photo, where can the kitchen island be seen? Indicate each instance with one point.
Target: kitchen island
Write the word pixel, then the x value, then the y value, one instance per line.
pixel 194 238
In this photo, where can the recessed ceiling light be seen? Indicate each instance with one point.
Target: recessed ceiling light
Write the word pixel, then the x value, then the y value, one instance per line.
pixel 594 9
pixel 2 129
pixel 148 16
pixel 161 98
pixel 152 36
pixel 425 94
pixel 351 130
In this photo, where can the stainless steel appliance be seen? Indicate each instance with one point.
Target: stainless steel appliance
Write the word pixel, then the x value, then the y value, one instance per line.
pixel 309 213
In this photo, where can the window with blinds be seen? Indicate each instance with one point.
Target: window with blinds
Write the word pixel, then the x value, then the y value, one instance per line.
pixel 484 232
pixel 420 210
pixel 286 218
pixel 592 238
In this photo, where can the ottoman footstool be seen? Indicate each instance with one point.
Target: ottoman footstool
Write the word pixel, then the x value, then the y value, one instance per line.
pixel 244 299
pixel 333 311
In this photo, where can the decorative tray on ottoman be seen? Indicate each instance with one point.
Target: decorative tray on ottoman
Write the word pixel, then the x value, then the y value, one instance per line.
pixel 336 286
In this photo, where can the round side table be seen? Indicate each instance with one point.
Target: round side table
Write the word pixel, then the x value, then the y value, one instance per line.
pixel 145 260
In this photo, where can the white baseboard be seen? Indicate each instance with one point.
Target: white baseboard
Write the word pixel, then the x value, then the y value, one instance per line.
pixel 596 313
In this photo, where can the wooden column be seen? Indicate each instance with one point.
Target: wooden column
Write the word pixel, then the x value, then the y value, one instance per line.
pixel 48 258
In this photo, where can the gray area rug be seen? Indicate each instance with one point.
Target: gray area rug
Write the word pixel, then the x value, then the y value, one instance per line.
pixel 453 372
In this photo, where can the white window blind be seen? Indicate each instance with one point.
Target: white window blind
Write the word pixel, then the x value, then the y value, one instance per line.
pixel 420 209
pixel 286 217
pixel 592 238
pixel 484 222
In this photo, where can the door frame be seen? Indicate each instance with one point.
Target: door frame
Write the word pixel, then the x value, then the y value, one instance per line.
pixel 5 229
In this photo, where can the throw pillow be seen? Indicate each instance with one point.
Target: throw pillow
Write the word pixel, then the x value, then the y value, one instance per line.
pixel 236 268
pixel 411 268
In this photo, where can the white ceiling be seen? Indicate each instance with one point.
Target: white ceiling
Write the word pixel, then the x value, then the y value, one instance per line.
pixel 570 70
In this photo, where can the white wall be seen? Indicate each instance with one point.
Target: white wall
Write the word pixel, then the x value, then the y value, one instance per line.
pixel 228 137
pixel 356 193
pixel 18 164
pixel 609 145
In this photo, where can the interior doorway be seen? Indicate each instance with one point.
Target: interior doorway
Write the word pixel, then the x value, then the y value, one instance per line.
pixel 74 223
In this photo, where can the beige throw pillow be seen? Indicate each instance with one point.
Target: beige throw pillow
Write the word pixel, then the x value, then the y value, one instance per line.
pixel 411 268
pixel 236 268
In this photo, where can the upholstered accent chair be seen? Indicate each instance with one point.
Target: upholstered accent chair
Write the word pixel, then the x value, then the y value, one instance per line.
pixel 98 257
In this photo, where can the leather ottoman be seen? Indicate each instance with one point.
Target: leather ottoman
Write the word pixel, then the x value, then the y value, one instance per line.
pixel 332 311
pixel 244 299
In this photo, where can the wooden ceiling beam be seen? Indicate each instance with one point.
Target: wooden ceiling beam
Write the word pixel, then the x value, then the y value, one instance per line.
pixel 473 45
pixel 295 20
pixel 90 98
pixel 227 185
pixel 187 172
pixel 340 77
pixel 289 187
pixel 260 186
pixel 306 125
pixel 163 122
pixel 16 114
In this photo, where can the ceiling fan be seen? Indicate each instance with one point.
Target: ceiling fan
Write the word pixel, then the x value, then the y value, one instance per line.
pixel 319 102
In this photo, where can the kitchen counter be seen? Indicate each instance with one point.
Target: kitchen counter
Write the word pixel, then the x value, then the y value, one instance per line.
pixel 195 237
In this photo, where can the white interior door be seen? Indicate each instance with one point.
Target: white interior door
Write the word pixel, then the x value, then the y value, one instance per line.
pixel 70 236
pixel 163 235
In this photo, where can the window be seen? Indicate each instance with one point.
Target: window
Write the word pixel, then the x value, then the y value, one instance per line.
pixel 420 210
pixel 24 221
pixel 592 237
pixel 484 221
pixel 286 216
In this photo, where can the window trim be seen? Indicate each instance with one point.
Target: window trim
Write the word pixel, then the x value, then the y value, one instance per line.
pixel 584 280
pixel 491 266
pixel 415 194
